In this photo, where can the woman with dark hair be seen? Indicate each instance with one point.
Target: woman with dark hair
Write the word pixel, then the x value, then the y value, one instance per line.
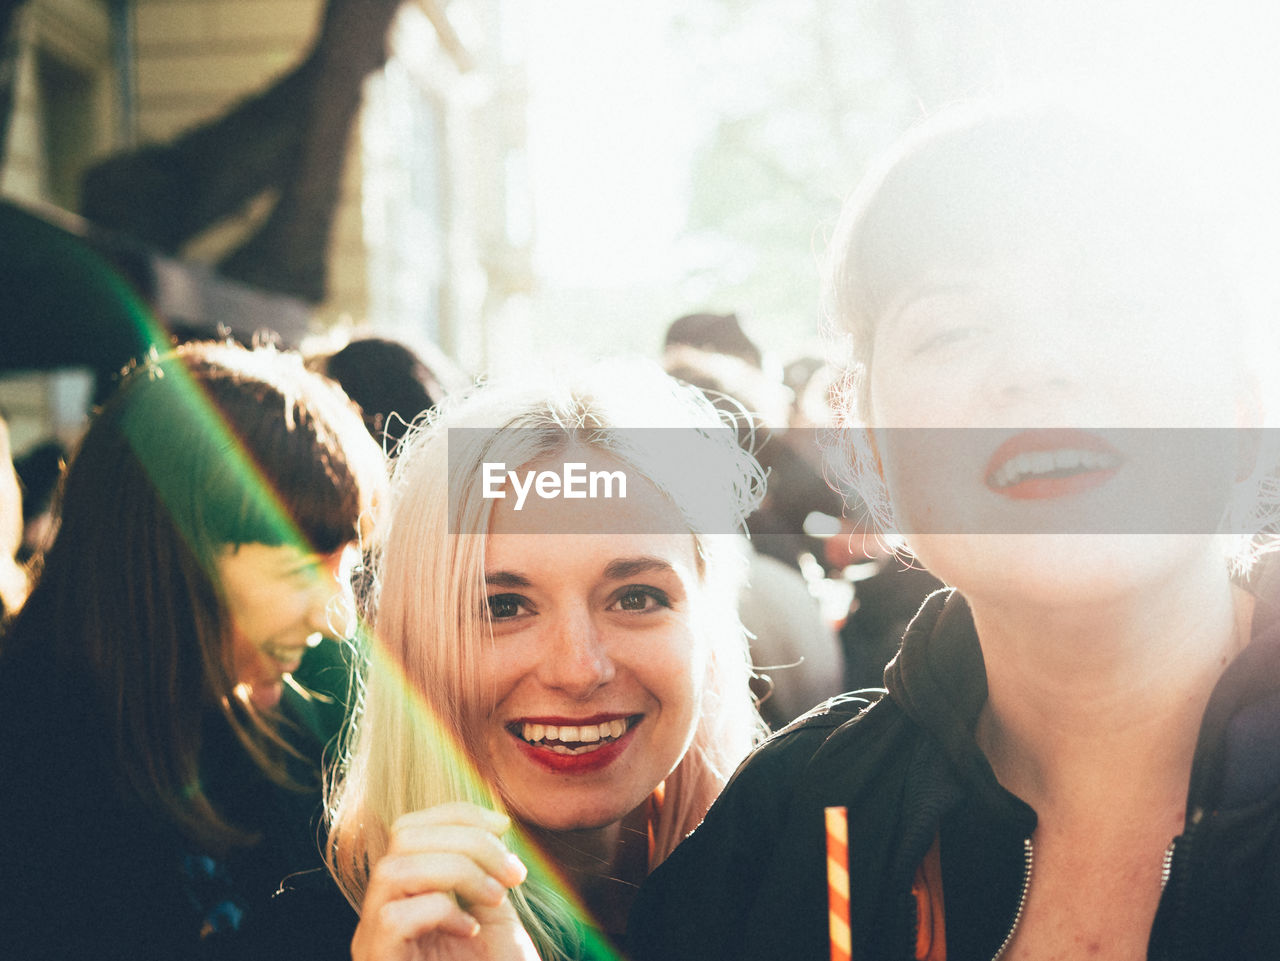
pixel 160 765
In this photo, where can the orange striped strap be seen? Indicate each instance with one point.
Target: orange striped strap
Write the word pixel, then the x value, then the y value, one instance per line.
pixel 838 883
pixel 931 933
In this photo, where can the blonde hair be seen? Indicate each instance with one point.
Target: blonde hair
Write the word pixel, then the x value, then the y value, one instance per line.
pixel 410 748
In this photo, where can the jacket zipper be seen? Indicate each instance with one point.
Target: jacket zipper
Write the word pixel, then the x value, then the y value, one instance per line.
pixel 1167 870
pixel 1028 860
pixel 1180 891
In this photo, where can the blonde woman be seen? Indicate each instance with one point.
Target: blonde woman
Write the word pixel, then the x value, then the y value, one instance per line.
pixel 565 676
pixel 1078 754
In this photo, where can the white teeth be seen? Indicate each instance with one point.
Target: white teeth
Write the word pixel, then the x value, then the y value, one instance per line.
pixel 582 749
pixel 1031 464
pixel 584 734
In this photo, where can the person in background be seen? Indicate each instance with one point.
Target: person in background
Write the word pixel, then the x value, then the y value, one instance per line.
pixel 1078 754
pixel 565 679
pixel 392 384
pixel 13 576
pixel 793 646
pixel 887 585
pixel 712 333
pixel 161 768
pixel 39 472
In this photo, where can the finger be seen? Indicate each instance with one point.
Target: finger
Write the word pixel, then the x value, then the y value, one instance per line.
pixel 398 876
pixel 462 813
pixel 400 922
pixel 479 845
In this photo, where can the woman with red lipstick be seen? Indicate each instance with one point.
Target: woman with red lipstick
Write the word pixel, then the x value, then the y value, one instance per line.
pixel 559 678
pixel 1078 752
pixel 161 769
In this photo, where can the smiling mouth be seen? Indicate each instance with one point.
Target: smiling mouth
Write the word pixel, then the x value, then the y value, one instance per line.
pixel 573 738
pixel 1051 465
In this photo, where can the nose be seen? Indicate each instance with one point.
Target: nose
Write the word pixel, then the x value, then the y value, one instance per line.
pixel 576 660
pixel 1044 359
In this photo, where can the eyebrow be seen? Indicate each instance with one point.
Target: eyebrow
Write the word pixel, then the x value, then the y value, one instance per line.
pixel 624 568
pixel 506 579
pixel 618 570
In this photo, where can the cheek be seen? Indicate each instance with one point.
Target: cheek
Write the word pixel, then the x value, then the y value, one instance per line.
pixel 254 612
pixel 677 675
pixel 247 662
pixel 495 676
pixel 934 478
pixel 906 392
pixel 1186 391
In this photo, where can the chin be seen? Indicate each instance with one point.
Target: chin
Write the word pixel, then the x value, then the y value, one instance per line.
pixel 266 697
pixel 566 817
pixel 1048 570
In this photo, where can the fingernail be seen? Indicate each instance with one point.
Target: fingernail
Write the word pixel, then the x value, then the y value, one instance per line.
pixel 516 868
pixel 464 926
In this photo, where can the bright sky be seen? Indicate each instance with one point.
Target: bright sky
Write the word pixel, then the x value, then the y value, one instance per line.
pixel 610 135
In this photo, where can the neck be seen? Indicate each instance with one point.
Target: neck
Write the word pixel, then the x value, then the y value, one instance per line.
pixel 1091 706
pixel 602 866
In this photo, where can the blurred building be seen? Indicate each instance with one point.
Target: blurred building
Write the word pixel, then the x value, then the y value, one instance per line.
pixel 432 230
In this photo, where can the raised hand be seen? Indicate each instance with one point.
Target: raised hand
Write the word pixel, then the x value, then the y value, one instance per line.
pixel 440 891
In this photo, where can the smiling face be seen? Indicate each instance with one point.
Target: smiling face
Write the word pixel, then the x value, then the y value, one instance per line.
pixel 281 602
pixel 591 688
pixel 1053 357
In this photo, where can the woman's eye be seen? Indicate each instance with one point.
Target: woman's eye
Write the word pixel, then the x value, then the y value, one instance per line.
pixel 503 607
pixel 641 599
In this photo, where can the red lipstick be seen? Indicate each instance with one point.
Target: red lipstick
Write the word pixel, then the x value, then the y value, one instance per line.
pixel 1051 463
pixel 599 756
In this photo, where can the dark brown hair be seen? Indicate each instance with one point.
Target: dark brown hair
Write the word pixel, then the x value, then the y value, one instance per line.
pixel 211 446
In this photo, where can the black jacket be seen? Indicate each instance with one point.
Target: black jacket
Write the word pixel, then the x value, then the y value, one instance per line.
pixel 87 873
pixel 751 882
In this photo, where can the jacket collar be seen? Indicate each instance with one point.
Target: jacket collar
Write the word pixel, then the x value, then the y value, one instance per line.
pixel 939 679
pixel 1237 760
